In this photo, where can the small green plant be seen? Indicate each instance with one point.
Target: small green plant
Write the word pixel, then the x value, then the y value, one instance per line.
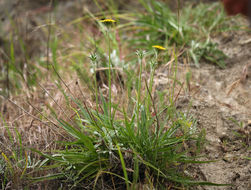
pixel 242 133
pixel 15 164
pixel 119 149
pixel 191 29
pixel 207 51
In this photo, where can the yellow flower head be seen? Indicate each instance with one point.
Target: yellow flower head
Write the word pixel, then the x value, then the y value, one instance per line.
pixel 159 47
pixel 108 21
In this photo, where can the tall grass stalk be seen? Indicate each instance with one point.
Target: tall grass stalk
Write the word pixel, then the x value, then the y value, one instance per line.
pixel 152 71
pixel 140 55
pixel 109 76
pixel 93 58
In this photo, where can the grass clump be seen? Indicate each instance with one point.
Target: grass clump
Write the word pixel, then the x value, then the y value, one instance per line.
pixel 15 162
pixel 189 28
pixel 115 148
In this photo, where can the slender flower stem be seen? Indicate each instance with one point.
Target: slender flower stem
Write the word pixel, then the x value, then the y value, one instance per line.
pixel 96 87
pixel 109 23
pixel 153 67
pixel 109 78
pixel 139 88
pixel 93 58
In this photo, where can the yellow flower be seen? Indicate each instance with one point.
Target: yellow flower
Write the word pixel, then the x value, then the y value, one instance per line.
pixel 159 47
pixel 108 21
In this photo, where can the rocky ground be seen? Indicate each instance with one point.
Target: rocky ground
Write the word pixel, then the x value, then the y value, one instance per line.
pixel 220 99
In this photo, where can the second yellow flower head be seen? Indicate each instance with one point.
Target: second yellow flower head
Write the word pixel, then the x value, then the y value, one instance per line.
pixel 108 21
pixel 159 47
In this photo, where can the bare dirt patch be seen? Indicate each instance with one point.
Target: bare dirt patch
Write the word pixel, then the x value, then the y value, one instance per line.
pixel 220 100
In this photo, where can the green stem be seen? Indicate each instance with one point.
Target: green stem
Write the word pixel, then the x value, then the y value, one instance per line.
pixel 96 87
pixel 150 89
pixel 139 87
pixel 109 79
